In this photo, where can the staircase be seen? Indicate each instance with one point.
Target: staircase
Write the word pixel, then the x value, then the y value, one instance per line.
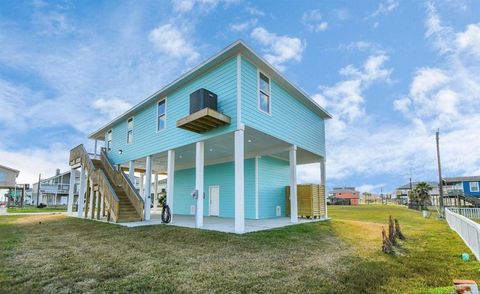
pixel 122 201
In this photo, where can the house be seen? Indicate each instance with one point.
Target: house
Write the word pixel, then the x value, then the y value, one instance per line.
pixel 228 135
pixel 460 190
pixel 10 192
pixel 54 191
pixel 401 192
pixel 344 196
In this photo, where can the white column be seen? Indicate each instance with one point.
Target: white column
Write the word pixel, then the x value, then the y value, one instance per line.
pixel 71 191
pixel 239 182
pixel 155 193
pixel 170 180
pixel 141 184
pixel 90 205
pixel 148 187
pixel 95 148
pixel 199 165
pixel 81 192
pixel 322 182
pixel 131 171
pixel 293 185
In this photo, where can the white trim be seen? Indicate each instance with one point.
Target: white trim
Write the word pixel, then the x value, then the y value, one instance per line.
pixel 210 199
pixel 470 186
pixel 256 187
pixel 239 90
pixel 148 187
pixel 133 124
pixel 293 185
pixel 70 190
pixel 259 91
pixel 170 179
pixel 165 115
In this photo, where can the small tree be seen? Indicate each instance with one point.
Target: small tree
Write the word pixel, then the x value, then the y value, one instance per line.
pixel 421 193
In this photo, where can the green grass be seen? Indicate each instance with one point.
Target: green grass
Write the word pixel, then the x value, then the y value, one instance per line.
pixel 53 253
pixel 34 209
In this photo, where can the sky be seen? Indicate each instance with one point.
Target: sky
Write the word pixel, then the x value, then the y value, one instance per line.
pixel 390 72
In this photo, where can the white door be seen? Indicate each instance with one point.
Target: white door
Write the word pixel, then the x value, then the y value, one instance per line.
pixel 214 192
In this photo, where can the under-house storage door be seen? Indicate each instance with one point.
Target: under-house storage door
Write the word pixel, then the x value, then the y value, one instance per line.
pixel 214 203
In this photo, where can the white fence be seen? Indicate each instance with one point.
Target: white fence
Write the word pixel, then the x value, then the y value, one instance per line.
pixel 468 230
pixel 470 212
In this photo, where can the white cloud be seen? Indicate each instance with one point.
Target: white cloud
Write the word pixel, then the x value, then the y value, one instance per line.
pixel 171 40
pixel 255 11
pixel 313 20
pixel 184 6
pixel 385 7
pixel 111 107
pixel 243 26
pixel 370 188
pixel 469 40
pixel 278 49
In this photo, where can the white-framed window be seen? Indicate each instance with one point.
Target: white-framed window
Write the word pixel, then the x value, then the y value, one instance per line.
pixel 161 114
pixel 130 130
pixel 474 187
pixel 264 93
pixel 109 140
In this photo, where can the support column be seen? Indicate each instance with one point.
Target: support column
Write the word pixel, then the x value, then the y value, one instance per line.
pixel 93 202
pixel 102 206
pixel 170 180
pixel 88 196
pixel 322 183
pixel 293 185
pixel 141 184
pixel 92 195
pixel 71 191
pixel 81 193
pixel 239 182
pixel 131 171
pixel 199 165
pixel 155 193
pixel 95 148
pixel 99 201
pixel 148 187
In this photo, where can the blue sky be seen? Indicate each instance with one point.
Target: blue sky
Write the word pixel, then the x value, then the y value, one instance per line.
pixel 391 72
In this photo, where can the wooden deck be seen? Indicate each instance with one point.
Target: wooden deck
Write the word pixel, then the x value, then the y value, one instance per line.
pixel 203 120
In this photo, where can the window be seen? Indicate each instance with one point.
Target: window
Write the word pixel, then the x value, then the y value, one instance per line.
pixel 161 115
pixel 474 187
pixel 109 140
pixel 264 93
pixel 130 130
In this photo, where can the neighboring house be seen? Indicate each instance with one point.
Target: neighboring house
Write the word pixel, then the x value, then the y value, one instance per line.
pixel 10 191
pixel 54 191
pixel 229 135
pixel 344 196
pixel 469 186
pixel 402 192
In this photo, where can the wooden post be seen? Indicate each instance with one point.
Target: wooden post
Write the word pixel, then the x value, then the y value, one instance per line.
pixel 87 197
pixel 99 196
pixel 92 203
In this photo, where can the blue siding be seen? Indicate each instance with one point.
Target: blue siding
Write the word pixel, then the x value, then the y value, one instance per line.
pixel 222 175
pixel 290 119
pixel 466 189
pixel 273 176
pixel 146 139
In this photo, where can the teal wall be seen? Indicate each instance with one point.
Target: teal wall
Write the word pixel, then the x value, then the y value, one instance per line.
pixel 222 175
pixel 273 176
pixel 146 139
pixel 290 119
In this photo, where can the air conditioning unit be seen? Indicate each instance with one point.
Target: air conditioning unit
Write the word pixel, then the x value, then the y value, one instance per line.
pixel 202 98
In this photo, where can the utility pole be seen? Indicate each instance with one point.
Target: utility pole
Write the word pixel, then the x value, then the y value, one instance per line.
pixel 440 180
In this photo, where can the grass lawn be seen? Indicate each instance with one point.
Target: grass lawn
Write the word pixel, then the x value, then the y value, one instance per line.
pixel 343 255
pixel 35 209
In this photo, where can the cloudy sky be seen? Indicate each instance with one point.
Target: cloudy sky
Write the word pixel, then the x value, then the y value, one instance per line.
pixel 390 72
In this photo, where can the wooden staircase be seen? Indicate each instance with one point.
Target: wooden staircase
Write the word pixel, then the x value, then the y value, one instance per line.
pixel 122 201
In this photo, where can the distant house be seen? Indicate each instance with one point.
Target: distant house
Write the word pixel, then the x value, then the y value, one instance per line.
pixel 344 196
pixel 10 191
pixel 402 191
pixel 469 186
pixel 54 190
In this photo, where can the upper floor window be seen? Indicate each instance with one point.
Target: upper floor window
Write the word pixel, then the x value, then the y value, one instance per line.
pixel 109 140
pixel 474 187
pixel 161 115
pixel 264 97
pixel 130 130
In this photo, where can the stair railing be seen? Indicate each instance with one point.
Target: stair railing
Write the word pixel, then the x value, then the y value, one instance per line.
pixel 122 181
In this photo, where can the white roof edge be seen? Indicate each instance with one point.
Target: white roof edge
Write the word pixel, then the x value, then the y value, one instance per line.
pixel 230 50
pixel 9 168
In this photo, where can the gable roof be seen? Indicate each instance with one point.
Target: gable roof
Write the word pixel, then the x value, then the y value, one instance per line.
pixel 407 186
pixel 10 169
pixel 238 47
pixel 462 179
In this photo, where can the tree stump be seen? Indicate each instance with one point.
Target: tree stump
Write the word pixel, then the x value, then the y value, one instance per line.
pixel 398 231
pixel 387 246
pixel 391 231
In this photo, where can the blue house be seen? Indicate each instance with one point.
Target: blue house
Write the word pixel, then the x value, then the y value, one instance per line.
pixel 470 186
pixel 227 135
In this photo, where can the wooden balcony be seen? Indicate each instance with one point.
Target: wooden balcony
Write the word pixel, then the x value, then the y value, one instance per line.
pixel 203 120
